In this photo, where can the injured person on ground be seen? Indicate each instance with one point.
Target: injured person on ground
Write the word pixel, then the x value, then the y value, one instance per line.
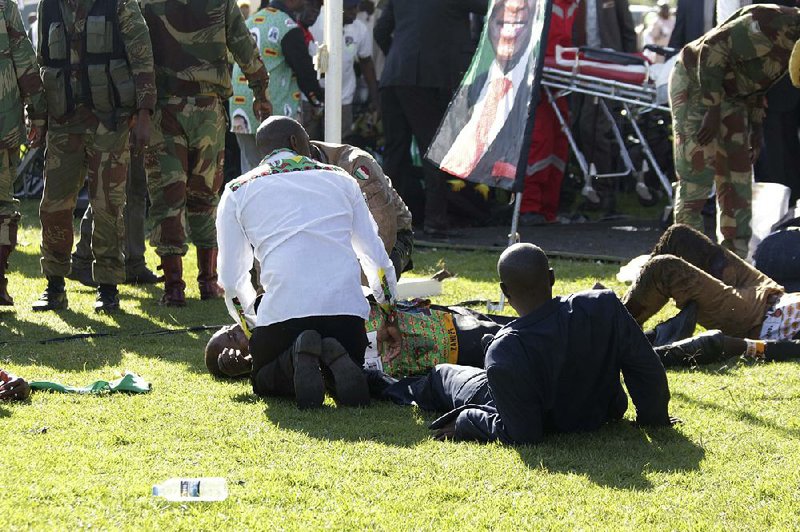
pixel 431 335
pixel 746 312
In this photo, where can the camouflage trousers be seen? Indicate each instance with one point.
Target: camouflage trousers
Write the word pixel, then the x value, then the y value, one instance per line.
pixel 686 266
pixel 102 155
pixel 9 207
pixel 184 172
pixel 725 161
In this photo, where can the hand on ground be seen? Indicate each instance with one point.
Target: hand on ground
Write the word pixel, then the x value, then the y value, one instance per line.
pixel 13 388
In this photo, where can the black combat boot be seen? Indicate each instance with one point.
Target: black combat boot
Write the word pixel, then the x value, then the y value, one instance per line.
pixel 54 297
pixel 107 298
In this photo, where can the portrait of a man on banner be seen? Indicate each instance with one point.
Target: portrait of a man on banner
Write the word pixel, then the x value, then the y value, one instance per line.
pixel 482 135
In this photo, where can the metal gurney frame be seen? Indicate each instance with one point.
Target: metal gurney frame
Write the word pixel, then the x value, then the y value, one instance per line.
pixel 635 99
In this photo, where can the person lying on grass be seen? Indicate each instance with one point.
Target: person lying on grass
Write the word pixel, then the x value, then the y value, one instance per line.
pixel 746 312
pixel 714 346
pixel 13 388
pixel 730 294
pixel 554 369
pixel 432 334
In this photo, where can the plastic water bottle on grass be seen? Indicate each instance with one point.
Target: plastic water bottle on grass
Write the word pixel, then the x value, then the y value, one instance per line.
pixel 192 489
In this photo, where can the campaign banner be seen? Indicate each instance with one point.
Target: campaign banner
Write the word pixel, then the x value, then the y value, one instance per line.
pixel 485 134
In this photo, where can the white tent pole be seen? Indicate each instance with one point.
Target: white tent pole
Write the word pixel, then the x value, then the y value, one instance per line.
pixel 334 38
pixel 513 238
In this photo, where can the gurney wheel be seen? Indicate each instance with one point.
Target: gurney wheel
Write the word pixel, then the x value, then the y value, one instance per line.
pixel 647 196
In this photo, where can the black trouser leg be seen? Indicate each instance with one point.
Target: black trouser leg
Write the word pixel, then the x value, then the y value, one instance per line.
pixel 397 142
pixel 424 109
pixel 269 342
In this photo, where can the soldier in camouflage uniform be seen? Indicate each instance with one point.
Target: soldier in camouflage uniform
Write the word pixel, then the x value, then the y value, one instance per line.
pixel 97 72
pixel 191 39
pixel 717 93
pixel 20 80
pixel 388 209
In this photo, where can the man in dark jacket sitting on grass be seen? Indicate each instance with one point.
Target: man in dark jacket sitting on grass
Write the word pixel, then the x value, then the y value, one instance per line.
pixel 555 369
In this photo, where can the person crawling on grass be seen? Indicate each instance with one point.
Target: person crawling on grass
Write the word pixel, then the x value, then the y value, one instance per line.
pixel 311 231
pixel 745 310
pixel 13 388
pixel 554 369
pixel 432 334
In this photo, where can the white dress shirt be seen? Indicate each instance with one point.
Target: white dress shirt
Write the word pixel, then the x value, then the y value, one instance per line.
pixel 309 227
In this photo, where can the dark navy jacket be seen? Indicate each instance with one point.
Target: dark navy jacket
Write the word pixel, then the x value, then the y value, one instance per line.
pixel 558 370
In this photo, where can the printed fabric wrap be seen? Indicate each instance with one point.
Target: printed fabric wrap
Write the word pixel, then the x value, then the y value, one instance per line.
pixel 429 338
pixel 268 27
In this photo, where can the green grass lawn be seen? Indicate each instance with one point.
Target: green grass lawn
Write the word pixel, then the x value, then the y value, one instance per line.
pixel 89 461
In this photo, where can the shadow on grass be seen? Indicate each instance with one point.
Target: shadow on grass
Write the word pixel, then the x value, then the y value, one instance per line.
pixel 618 456
pixel 9 321
pixel 382 422
pixel 739 413
pixel 482 266
pixel 107 351
pixel 4 412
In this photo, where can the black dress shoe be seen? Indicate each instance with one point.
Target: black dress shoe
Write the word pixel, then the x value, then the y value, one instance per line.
pixel 107 299
pixel 704 348
pixel 51 300
pixel 309 388
pixel 349 380
pixel 142 275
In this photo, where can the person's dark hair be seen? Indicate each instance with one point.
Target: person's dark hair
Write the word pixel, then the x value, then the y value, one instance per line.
pixel 282 132
pixel 525 271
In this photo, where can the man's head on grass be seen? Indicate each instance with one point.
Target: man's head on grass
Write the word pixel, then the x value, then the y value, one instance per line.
pixel 227 353
pixel 282 133
pixel 526 278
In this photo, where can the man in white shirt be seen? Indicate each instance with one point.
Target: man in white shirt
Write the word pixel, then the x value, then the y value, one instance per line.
pixel 309 227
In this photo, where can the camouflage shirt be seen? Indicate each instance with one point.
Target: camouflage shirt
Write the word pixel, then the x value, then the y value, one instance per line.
pixel 135 39
pixel 742 58
pixel 20 78
pixel 191 39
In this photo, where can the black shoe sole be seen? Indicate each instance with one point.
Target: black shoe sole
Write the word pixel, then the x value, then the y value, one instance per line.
pixel 349 380
pixel 309 388
pixel 106 309
pixel 51 306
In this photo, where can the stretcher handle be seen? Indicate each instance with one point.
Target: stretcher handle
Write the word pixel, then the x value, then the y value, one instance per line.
pixel 610 56
pixel 662 50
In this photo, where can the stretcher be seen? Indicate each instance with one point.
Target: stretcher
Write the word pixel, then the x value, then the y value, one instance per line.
pixel 628 82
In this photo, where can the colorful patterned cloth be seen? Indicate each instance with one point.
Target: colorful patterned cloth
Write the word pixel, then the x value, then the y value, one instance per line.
pixel 429 338
pixel 298 163
pixel 783 319
pixel 268 27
